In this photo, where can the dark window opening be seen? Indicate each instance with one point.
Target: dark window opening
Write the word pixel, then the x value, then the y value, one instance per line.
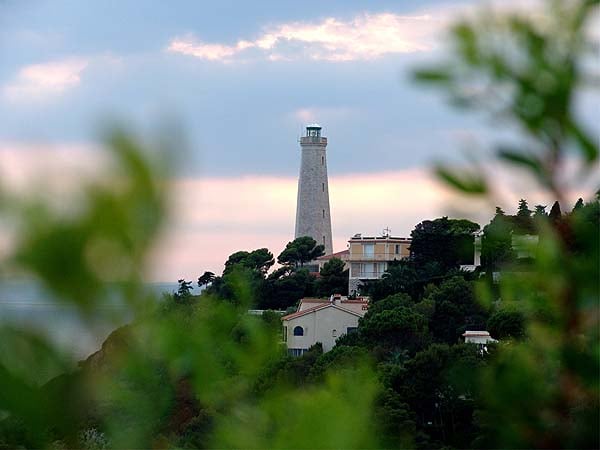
pixel 298 331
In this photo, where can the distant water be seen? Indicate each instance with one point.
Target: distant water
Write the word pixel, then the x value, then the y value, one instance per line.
pixel 25 304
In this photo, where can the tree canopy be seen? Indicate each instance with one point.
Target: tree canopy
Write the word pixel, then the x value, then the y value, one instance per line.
pixel 300 251
pixel 446 242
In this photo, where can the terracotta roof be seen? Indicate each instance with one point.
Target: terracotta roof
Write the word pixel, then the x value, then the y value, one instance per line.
pixel 316 308
pixel 334 255
pixel 306 311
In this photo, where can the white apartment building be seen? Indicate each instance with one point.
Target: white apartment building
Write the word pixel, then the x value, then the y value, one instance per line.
pixel 368 257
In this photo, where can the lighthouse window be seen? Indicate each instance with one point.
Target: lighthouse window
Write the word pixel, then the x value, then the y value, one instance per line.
pixel 323 185
pixel 322 160
pixel 323 214
pixel 323 240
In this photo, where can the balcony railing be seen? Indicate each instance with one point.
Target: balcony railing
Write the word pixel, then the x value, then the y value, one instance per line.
pixel 313 140
pixel 366 275
pixel 387 256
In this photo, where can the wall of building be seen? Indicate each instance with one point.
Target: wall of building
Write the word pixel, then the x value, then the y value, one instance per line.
pixel 318 327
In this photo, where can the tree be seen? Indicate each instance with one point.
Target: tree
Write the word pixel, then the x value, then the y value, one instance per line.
pixel 456 310
pixel 523 222
pixel 506 324
pixel 540 211
pixel 206 278
pixel 541 391
pixel 443 241
pixel 284 287
pixel 300 251
pixel 393 326
pixel 555 213
pixel 184 291
pixel 259 260
pixel 333 279
pixel 496 242
pixel 437 384
pixel 399 277
pixel 578 205
pixel 523 209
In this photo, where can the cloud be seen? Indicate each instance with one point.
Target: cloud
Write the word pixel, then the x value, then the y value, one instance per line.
pixel 211 52
pixel 364 37
pixel 43 81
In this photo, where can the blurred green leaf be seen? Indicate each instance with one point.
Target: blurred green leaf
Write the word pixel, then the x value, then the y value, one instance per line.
pixel 467 183
pixel 587 144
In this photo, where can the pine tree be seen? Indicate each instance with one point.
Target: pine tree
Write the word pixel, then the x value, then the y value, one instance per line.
pixel 523 210
pixel 523 222
pixel 555 213
pixel 578 205
pixel 540 212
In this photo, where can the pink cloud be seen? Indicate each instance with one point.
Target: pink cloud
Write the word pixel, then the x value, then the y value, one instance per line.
pixel 45 80
pixel 212 217
pixel 364 37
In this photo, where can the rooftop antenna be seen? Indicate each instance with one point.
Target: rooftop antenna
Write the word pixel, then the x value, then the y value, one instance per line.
pixel 386 232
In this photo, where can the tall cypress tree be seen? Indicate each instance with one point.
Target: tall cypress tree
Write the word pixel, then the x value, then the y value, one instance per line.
pixel 555 213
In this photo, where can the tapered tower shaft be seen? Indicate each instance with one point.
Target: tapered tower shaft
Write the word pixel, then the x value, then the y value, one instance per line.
pixel 313 217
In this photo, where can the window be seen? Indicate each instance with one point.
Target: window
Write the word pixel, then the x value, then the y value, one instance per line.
pixel 323 240
pixel 397 249
pixel 323 185
pixel 298 331
pixel 322 160
pixel 323 214
pixel 284 334
pixel 351 330
pixel 334 333
pixel 369 250
pixel 296 351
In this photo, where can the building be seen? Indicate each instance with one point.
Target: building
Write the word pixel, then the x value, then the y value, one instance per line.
pixel 321 320
pixel 343 255
pixel 313 216
pixel 478 337
pixel 369 257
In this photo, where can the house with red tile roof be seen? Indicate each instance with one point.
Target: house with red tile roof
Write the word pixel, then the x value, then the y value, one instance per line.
pixel 321 320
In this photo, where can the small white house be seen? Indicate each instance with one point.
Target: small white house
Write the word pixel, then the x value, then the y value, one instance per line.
pixel 319 320
pixel 478 337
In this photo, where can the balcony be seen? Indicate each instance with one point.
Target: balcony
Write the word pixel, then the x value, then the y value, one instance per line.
pixel 313 140
pixel 387 256
pixel 363 275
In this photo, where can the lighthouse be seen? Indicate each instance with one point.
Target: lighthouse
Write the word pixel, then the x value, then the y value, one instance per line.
pixel 313 217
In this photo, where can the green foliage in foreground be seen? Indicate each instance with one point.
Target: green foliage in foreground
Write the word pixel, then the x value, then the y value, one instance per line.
pixel 542 391
pixel 185 372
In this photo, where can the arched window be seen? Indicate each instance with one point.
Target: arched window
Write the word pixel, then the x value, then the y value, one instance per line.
pixel 298 331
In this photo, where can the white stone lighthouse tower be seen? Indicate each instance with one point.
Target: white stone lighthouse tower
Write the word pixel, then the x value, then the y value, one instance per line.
pixel 312 209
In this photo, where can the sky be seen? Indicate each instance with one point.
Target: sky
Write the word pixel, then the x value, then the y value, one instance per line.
pixel 241 79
